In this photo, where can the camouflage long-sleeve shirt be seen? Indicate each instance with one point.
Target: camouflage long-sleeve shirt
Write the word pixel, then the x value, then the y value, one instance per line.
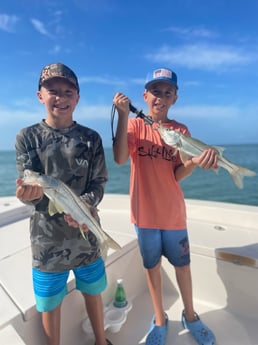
pixel 74 155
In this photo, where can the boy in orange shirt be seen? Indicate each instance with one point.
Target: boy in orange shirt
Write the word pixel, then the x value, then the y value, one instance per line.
pixel 157 201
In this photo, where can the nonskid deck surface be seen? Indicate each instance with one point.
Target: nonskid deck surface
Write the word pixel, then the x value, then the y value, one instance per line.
pixel 229 329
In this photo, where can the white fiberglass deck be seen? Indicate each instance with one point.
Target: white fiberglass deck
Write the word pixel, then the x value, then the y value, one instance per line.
pixel 224 249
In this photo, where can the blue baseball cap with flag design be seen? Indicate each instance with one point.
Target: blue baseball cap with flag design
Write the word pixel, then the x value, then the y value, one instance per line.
pixel 162 74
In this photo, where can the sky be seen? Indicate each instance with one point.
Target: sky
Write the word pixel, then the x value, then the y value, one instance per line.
pixel 112 45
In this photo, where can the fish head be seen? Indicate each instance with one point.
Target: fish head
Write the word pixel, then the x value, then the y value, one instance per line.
pixel 30 176
pixel 33 177
pixel 169 136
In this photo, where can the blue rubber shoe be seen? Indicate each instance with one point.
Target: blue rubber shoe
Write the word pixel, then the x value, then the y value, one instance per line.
pixel 157 334
pixel 201 333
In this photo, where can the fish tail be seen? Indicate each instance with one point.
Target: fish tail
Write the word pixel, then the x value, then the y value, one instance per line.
pixel 111 242
pixel 239 174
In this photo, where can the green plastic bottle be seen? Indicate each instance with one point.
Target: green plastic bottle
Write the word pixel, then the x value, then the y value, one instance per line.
pixel 120 300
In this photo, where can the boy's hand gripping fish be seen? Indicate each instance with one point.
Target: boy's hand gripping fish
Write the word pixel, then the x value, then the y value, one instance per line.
pixel 63 200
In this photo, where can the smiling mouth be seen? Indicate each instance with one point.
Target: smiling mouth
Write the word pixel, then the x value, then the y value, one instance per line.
pixel 65 107
pixel 159 106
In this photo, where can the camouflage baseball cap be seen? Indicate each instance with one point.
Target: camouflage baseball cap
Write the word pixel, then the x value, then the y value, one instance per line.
pixel 58 70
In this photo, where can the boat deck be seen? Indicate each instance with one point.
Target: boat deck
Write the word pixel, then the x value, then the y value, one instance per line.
pixel 229 328
pixel 224 251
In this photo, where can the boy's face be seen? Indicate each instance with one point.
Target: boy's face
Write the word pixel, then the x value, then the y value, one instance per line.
pixel 60 99
pixel 160 96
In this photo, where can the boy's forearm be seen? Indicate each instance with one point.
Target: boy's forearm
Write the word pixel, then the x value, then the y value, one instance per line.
pixel 184 170
pixel 120 145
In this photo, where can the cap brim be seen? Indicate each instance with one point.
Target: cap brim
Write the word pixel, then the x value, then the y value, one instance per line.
pixel 59 77
pixel 150 83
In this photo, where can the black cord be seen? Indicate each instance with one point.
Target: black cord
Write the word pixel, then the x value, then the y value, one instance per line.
pixel 113 111
pixel 146 119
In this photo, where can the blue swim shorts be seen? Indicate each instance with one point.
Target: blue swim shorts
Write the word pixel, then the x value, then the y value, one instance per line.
pixel 172 244
pixel 50 288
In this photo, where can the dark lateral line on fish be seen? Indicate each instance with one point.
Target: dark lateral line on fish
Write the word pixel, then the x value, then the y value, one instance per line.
pixel 147 119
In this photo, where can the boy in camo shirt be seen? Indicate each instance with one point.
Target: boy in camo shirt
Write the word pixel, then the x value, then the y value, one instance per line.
pixel 60 147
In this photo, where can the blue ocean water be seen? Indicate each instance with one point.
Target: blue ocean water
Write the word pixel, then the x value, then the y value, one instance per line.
pixel 202 185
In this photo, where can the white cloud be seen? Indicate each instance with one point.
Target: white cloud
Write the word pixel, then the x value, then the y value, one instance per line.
pixel 8 23
pixel 138 81
pixel 188 32
pixel 204 111
pixel 92 112
pixel 101 80
pixel 202 56
pixel 40 27
pixel 22 115
pixel 111 81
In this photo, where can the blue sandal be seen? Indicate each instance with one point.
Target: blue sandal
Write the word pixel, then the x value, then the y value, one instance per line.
pixel 157 334
pixel 201 333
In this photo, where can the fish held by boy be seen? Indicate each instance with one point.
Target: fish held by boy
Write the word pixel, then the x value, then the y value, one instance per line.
pixel 63 200
pixel 190 147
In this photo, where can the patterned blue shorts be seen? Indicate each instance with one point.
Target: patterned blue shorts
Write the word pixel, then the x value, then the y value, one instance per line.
pixel 172 244
pixel 50 288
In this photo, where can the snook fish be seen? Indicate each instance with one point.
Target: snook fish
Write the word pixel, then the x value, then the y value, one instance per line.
pixel 63 200
pixel 190 147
